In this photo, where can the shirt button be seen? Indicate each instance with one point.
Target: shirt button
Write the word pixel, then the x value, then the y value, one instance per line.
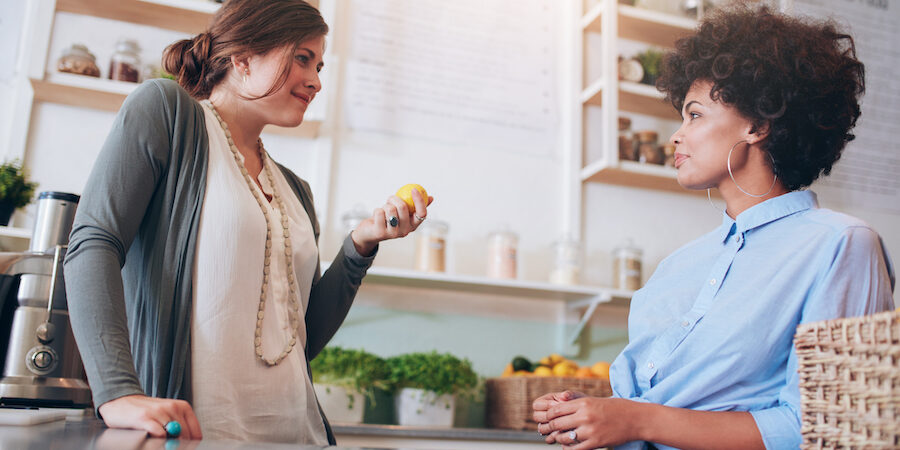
pixel 650 365
pixel 712 282
pixel 685 323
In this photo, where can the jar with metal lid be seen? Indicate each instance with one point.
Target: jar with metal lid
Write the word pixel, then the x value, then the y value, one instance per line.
pixel 78 60
pixel 568 259
pixel 431 246
pixel 627 267
pixel 125 64
pixel 647 149
pixel 668 150
pixel 626 144
pixel 502 254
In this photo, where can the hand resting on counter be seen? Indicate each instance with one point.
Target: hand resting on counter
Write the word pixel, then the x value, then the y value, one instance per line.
pixel 150 414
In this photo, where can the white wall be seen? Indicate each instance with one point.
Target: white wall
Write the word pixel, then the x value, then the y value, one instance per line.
pixel 476 189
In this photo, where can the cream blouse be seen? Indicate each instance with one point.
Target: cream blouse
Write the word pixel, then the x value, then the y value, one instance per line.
pixel 234 394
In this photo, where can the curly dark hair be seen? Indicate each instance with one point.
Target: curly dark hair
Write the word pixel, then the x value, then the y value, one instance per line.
pixel 798 77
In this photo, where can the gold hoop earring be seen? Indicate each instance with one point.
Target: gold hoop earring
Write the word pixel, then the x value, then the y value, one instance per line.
pixel 731 174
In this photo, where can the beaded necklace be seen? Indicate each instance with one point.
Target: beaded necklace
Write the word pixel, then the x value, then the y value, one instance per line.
pixel 293 312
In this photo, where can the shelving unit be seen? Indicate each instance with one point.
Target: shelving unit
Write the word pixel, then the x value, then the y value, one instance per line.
pixel 108 95
pixel 615 22
pixel 574 297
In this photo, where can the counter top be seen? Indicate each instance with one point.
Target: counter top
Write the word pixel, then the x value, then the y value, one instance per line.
pixel 480 434
pixel 93 434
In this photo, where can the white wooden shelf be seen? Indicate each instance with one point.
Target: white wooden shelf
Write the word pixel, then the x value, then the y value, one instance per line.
pixel 633 97
pixel 17 233
pixel 108 95
pixel 640 24
pixel 574 295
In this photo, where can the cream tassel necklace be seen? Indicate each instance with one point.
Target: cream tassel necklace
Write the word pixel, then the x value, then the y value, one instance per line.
pixel 293 312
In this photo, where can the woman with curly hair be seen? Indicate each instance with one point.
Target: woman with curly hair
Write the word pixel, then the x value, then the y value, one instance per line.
pixel 768 102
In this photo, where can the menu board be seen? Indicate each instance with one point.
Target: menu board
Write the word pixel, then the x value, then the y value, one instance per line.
pixel 868 173
pixel 464 72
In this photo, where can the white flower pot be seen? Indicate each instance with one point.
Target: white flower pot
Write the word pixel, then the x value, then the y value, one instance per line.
pixel 340 405
pixel 418 407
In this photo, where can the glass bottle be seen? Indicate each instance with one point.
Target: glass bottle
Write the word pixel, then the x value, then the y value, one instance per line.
pixel 502 254
pixel 78 60
pixel 125 64
pixel 431 246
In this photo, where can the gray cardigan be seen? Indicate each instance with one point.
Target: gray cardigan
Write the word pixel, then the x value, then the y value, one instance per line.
pixel 131 251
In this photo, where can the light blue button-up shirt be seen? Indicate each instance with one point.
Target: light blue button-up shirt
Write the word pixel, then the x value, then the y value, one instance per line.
pixel 713 327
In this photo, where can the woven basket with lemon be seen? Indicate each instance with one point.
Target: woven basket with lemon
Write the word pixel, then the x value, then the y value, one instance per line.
pixel 508 398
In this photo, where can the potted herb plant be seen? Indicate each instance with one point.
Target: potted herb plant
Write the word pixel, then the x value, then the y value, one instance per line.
pixel 651 61
pixel 426 385
pixel 15 189
pixel 344 378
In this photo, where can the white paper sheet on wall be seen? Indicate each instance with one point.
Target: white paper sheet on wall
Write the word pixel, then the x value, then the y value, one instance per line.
pixel 466 72
pixel 868 173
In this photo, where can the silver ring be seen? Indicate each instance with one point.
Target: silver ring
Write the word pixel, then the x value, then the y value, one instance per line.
pixel 420 219
pixel 573 436
pixel 393 221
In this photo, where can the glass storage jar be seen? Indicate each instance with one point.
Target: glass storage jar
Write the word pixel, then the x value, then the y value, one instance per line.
pixel 502 254
pixel 627 267
pixel 647 149
pixel 431 246
pixel 668 150
pixel 78 60
pixel 626 144
pixel 568 259
pixel 352 218
pixel 125 64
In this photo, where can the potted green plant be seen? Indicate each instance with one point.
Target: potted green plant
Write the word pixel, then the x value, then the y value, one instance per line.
pixel 15 189
pixel 426 385
pixel 651 61
pixel 344 378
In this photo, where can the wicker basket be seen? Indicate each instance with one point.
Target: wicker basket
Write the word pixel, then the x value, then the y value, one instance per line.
pixel 508 400
pixel 850 382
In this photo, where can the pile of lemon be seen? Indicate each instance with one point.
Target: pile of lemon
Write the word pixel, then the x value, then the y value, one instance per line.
pixel 555 366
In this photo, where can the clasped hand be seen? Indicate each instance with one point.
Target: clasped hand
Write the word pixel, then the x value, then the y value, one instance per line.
pixel 597 422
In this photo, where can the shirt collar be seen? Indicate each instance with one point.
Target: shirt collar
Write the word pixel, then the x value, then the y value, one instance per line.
pixel 767 211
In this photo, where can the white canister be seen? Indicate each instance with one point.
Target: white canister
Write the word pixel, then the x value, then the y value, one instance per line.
pixel 567 261
pixel 502 254
pixel 431 246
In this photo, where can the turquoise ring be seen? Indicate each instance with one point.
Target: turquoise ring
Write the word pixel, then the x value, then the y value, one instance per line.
pixel 173 429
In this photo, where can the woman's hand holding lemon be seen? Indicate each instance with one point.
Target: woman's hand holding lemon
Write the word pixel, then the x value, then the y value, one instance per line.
pixel 399 216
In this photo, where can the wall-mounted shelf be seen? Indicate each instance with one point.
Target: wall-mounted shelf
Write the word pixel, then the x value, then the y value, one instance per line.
pixel 14 239
pixel 108 95
pixel 633 97
pixel 574 297
pixel 639 24
pixel 187 16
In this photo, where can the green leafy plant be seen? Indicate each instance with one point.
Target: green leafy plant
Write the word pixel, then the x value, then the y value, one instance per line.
pixel 14 185
pixel 441 373
pixel 651 61
pixel 354 370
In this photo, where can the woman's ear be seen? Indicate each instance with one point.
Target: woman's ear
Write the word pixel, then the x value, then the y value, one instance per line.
pixel 758 133
pixel 240 64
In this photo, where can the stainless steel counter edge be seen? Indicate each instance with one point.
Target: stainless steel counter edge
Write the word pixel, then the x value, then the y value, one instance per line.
pixel 480 434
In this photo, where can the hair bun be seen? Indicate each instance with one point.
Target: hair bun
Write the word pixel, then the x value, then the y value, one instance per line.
pixel 188 61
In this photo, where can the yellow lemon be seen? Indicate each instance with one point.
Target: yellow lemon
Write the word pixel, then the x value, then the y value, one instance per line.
pixel 601 369
pixel 405 194
pixel 508 370
pixel 543 371
pixel 564 369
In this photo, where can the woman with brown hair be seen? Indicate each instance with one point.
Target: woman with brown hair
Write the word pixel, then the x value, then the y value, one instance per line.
pixel 193 270
pixel 768 102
